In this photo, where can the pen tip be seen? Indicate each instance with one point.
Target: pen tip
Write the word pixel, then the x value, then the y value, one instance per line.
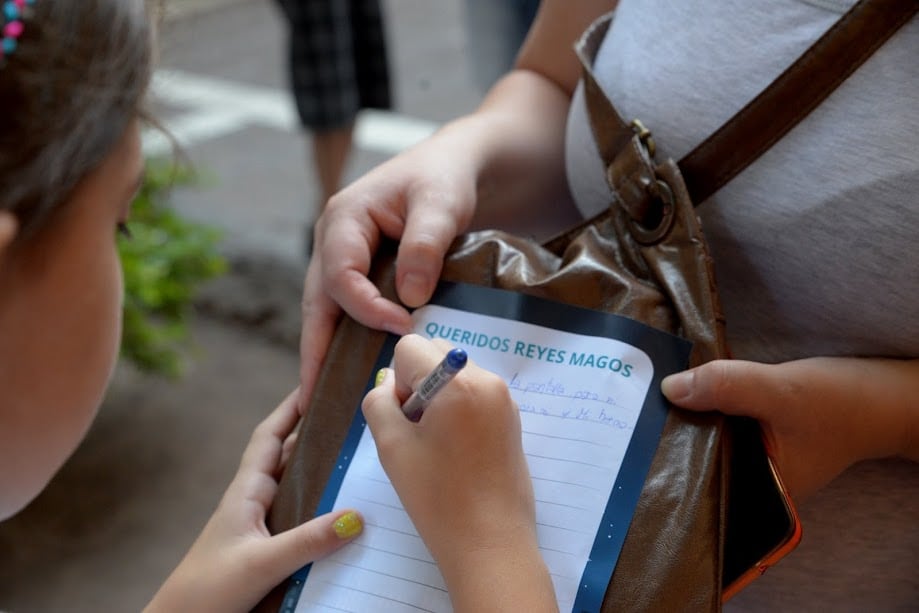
pixel 456 358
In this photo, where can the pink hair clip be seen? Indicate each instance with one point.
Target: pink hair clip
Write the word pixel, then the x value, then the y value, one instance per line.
pixel 11 18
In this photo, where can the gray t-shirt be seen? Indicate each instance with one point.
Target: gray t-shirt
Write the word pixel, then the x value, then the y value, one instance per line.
pixel 814 244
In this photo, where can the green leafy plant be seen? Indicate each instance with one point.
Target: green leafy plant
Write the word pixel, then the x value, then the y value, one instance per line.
pixel 165 259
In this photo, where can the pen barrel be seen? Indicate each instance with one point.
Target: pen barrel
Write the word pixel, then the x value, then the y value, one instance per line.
pixel 413 408
pixel 418 401
pixel 454 361
pixel 434 383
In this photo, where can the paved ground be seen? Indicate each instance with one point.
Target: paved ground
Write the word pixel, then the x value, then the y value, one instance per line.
pixel 119 516
pixel 224 95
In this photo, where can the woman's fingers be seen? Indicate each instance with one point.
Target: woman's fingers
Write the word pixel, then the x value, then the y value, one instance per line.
pixel 433 221
pixel 348 243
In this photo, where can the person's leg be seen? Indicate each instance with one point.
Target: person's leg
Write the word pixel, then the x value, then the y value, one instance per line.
pixel 331 150
pixel 369 82
pixel 322 70
pixel 348 72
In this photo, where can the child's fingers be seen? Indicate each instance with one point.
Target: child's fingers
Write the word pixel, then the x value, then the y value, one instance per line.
pixel 413 359
pixel 286 451
pixel 282 421
pixel 283 554
pixel 383 412
pixel 263 453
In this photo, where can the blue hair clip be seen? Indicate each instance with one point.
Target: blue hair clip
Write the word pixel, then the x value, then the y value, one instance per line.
pixel 11 18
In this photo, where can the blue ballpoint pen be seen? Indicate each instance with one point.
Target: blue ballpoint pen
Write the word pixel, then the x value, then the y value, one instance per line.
pixel 452 363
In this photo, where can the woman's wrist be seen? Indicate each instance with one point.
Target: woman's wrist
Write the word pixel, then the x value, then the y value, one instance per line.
pixel 895 385
pixel 910 447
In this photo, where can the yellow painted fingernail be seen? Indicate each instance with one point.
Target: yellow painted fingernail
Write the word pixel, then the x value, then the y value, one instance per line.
pixel 381 374
pixel 348 525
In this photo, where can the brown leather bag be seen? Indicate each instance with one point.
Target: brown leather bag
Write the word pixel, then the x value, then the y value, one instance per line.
pixel 644 258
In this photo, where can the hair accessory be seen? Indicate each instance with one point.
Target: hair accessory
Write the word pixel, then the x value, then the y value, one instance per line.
pixel 11 18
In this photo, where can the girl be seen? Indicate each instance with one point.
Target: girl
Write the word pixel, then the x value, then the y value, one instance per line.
pixel 72 81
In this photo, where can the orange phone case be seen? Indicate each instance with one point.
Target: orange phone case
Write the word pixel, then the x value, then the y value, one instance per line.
pixel 793 537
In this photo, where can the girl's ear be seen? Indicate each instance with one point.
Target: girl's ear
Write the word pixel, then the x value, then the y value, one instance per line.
pixel 9 227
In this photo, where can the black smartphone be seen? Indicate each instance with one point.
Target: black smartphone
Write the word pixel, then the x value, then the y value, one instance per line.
pixel 762 525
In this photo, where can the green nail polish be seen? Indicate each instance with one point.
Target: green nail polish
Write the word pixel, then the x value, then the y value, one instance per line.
pixel 348 525
pixel 381 374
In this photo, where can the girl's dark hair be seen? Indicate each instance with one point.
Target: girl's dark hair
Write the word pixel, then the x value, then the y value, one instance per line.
pixel 67 94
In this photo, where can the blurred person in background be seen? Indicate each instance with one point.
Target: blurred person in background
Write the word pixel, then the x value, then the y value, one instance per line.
pixel 338 66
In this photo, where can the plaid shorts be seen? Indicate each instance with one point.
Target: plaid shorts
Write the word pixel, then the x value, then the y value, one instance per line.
pixel 338 62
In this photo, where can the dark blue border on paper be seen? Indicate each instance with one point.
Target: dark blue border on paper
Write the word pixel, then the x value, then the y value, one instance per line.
pixel 668 354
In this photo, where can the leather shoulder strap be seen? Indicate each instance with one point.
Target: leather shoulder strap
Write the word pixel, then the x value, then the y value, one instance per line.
pixel 769 116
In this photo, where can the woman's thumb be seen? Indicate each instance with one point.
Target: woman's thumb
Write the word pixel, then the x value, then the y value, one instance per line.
pixel 729 386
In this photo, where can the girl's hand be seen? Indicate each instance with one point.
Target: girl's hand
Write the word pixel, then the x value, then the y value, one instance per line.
pixel 236 562
pixel 462 476
pixel 819 415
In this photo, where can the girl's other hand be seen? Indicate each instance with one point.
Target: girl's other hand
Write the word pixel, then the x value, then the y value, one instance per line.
pixel 236 562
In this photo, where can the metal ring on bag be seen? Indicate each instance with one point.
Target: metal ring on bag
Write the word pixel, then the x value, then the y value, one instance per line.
pixel 660 225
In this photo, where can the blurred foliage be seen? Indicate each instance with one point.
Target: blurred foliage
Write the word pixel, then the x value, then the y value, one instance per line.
pixel 165 259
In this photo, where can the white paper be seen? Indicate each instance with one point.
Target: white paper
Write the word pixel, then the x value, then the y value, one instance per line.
pixel 579 398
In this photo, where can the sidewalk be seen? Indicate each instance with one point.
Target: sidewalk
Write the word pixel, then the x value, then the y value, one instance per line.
pixel 175 10
pixel 222 89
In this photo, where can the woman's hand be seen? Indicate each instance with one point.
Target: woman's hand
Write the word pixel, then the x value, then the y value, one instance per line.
pixel 819 415
pixel 236 562
pixel 500 167
pixel 424 197
pixel 462 477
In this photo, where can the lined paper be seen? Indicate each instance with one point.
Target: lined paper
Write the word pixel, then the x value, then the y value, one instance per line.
pixel 579 398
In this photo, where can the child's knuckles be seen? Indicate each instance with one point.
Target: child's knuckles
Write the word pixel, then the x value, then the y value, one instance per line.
pixel 441 344
pixel 490 391
pixel 388 442
pixel 372 400
pixel 315 542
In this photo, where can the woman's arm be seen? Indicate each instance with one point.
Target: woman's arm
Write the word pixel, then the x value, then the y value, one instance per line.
pixel 527 173
pixel 500 166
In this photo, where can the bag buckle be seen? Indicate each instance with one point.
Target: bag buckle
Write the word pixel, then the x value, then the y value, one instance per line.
pixel 647 200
